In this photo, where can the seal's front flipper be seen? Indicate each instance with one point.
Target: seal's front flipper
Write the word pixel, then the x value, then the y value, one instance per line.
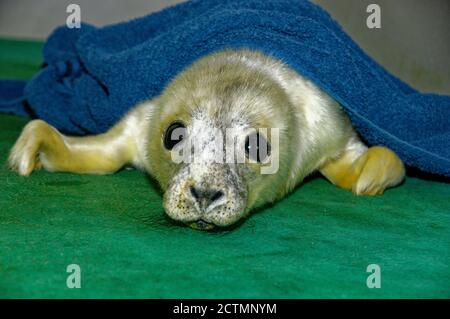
pixel 42 145
pixel 369 173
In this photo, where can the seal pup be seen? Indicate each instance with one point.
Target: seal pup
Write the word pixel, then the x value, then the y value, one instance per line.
pixel 236 91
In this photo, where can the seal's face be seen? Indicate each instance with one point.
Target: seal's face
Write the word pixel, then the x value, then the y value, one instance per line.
pixel 201 143
pixel 207 189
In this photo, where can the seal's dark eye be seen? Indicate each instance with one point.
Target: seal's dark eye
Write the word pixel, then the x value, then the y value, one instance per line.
pixel 174 135
pixel 256 147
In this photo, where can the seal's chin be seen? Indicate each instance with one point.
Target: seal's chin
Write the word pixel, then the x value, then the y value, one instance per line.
pixel 201 225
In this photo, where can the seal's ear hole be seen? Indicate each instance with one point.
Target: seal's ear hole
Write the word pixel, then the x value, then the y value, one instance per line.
pixel 257 148
pixel 174 134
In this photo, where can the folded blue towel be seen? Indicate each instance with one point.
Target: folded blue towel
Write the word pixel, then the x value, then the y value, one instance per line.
pixel 94 75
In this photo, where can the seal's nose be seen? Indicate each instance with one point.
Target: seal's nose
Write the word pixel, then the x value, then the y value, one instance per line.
pixel 206 198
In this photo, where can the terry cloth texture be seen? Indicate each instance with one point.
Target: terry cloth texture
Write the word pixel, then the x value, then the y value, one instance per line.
pixel 316 243
pixel 94 75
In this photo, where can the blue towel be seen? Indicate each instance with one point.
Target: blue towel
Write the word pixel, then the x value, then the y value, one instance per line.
pixel 94 75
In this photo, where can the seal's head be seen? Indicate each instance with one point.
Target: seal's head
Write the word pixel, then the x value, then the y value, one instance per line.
pixel 204 139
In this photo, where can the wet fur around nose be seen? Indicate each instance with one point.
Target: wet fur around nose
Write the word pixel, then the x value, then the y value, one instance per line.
pixel 238 89
pixel 181 204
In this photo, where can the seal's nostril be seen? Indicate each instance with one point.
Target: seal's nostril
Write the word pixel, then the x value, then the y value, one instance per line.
pixel 194 193
pixel 206 197
pixel 216 196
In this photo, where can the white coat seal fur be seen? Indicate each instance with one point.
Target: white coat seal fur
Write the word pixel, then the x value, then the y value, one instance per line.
pixel 233 92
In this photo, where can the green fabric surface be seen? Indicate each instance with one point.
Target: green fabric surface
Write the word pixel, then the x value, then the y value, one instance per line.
pixel 317 242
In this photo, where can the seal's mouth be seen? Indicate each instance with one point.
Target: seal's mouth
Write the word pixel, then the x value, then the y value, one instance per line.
pixel 201 225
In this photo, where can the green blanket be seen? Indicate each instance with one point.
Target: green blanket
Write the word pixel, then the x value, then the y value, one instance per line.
pixel 317 242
